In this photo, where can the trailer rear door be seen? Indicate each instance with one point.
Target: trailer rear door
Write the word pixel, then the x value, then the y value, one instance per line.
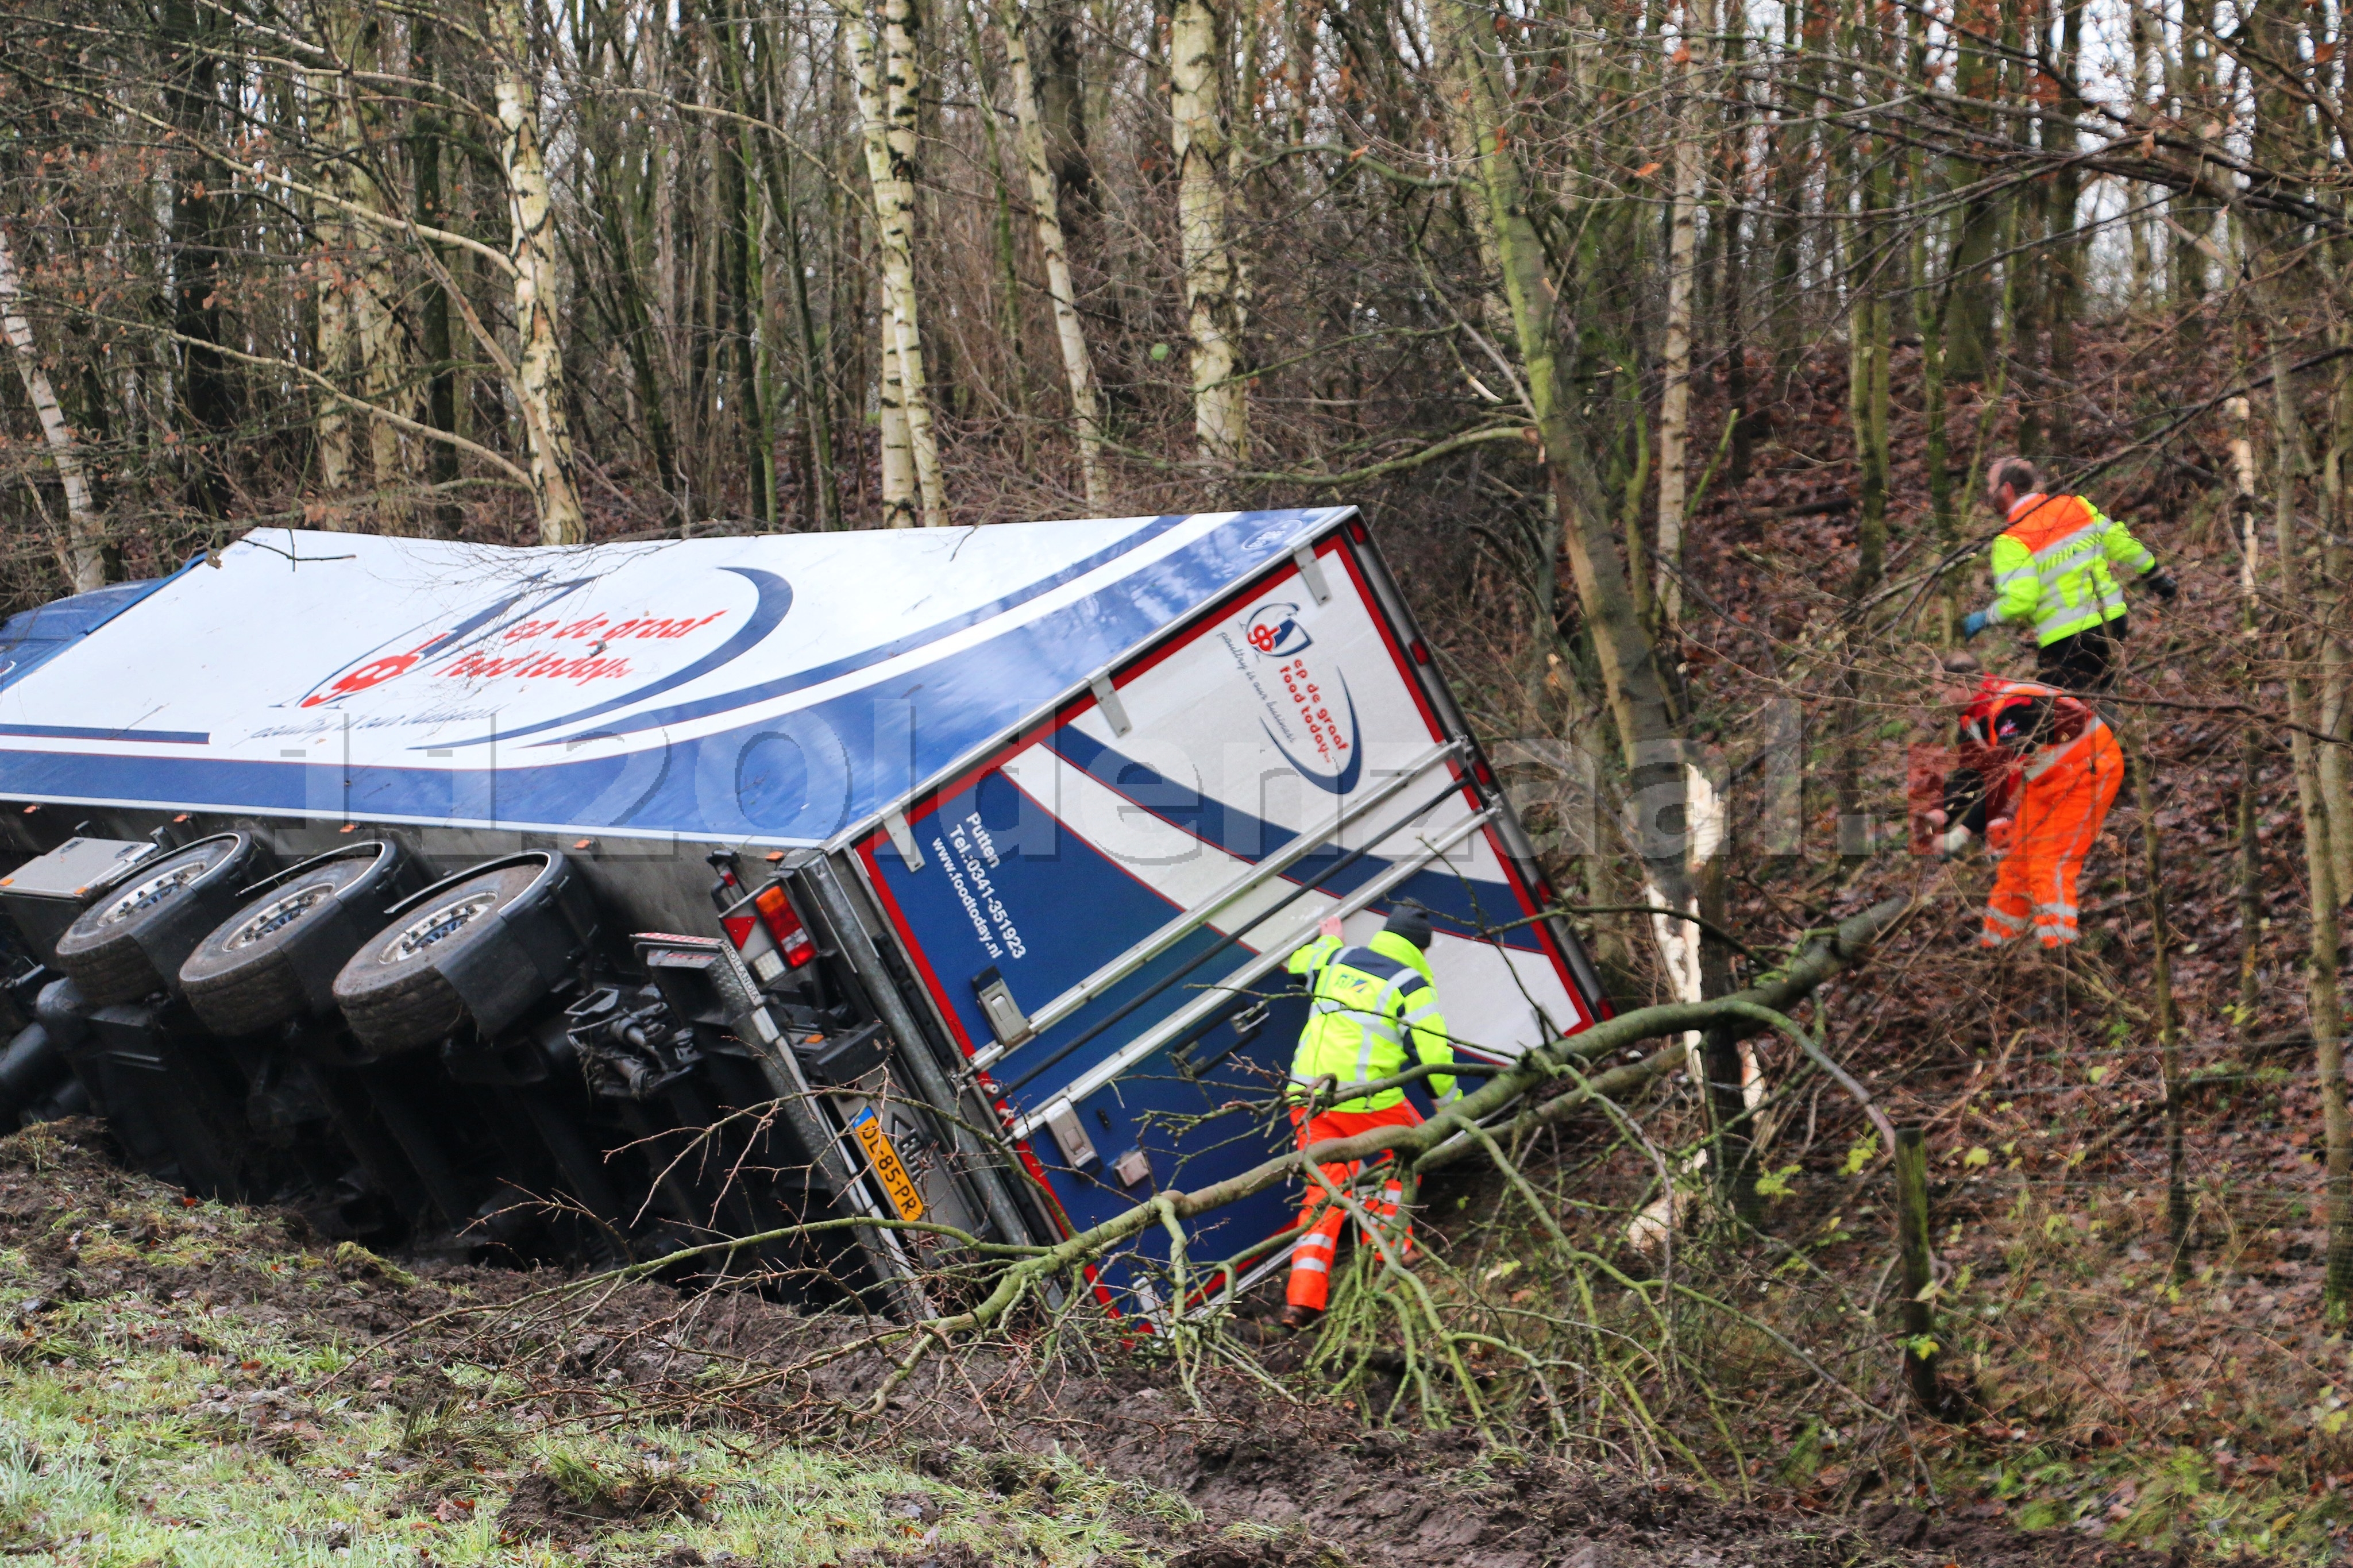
pixel 1099 909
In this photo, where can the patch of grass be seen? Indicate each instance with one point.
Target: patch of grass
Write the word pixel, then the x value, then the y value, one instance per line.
pixel 136 1431
pixel 2159 1499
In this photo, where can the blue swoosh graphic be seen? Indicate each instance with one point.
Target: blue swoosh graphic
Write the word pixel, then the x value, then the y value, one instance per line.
pixel 784 686
pixel 1353 770
pixel 775 600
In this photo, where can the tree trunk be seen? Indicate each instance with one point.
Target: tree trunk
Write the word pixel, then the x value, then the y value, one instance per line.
pixel 376 332
pixel 2064 276
pixel 1732 267
pixel 2251 853
pixel 191 34
pixel 2192 214
pixel 746 288
pixel 1061 92
pixel 1869 349
pixel 815 384
pixel 334 278
pixel 2145 26
pixel 1735 1087
pixel 383 381
pixel 901 83
pixel 538 382
pixel 2336 769
pixel 330 293
pixel 1648 730
pixel 1213 294
pixel 1869 328
pixel 1045 202
pixel 899 508
pixel 1791 142
pixel 1675 354
pixel 2325 1005
pixel 887 84
pixel 83 556
pixel 1969 313
pixel 427 134
pixel 1000 233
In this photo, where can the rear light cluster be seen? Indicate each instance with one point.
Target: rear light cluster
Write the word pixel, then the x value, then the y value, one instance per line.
pixel 776 913
pixel 767 932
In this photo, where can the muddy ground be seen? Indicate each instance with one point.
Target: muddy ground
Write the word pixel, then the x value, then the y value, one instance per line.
pixel 1273 1479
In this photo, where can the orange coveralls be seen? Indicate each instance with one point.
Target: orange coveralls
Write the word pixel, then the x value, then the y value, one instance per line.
pixel 1311 1260
pixel 2043 760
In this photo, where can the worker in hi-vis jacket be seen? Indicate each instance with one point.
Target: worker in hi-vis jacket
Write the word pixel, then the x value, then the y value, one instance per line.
pixel 2055 566
pixel 1366 1005
pixel 2038 771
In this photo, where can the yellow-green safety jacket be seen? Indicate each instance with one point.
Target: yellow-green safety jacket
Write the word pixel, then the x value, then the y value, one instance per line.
pixel 2051 566
pixel 1364 1002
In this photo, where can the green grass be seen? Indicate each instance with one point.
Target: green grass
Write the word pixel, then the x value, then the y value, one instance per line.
pixel 2156 1499
pixel 139 1433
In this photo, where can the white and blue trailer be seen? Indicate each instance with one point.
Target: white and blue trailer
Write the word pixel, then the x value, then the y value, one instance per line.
pixel 1030 816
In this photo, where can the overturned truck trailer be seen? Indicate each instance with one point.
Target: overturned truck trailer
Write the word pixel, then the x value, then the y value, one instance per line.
pixel 584 905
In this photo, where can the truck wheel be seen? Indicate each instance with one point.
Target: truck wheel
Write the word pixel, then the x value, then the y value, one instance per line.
pixel 130 943
pixel 394 993
pixel 276 958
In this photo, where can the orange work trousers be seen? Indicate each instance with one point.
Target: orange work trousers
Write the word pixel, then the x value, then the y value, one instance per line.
pixel 2064 798
pixel 1311 1259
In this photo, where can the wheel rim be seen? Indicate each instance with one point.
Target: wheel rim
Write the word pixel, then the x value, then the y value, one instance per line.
pixel 277 915
pixel 146 895
pixel 438 925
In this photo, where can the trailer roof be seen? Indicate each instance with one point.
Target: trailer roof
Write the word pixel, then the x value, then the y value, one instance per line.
pixel 771 690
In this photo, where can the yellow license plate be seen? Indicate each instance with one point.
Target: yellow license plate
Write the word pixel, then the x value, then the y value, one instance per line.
pixel 905 1196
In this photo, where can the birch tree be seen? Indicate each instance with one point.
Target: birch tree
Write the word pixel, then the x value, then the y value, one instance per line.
pixel 888 80
pixel 1045 204
pixel 538 379
pixel 1683 236
pixel 85 559
pixel 1213 303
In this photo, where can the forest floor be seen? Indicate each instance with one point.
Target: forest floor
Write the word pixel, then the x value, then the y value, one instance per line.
pixel 2113 1391
pixel 185 1383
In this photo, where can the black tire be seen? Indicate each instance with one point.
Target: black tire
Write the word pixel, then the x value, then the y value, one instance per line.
pixel 275 959
pixel 395 993
pixel 135 936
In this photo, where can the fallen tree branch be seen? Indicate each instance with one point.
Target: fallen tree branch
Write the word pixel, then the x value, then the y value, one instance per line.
pixel 1446 1136
pixel 1450 1134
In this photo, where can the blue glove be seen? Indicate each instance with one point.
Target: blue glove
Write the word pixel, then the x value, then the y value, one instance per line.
pixel 1974 622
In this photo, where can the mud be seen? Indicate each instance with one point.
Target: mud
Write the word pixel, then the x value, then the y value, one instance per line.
pixel 543 1507
pixel 1279 1485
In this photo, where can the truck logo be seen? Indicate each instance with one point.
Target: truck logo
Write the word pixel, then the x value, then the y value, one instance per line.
pixel 1335 742
pixel 433 640
pixel 1274 630
pixel 532 634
